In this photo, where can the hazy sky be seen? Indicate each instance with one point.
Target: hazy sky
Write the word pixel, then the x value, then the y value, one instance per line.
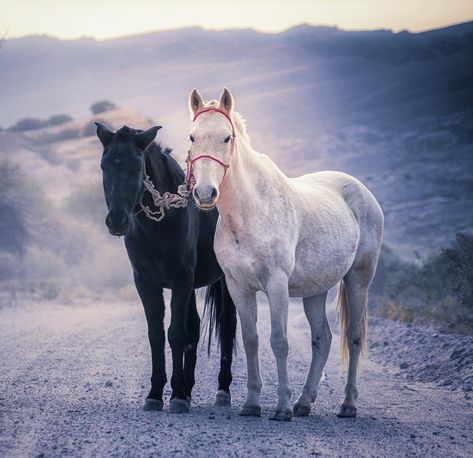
pixel 111 18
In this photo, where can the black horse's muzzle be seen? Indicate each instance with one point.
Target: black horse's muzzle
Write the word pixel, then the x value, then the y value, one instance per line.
pixel 117 222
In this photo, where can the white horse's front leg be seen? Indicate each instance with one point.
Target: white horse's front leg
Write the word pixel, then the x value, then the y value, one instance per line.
pixel 278 296
pixel 245 303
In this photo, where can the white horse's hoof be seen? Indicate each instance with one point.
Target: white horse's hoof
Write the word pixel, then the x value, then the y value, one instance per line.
pixel 250 411
pixel 347 411
pixel 153 404
pixel 301 410
pixel 282 415
pixel 179 405
pixel 223 399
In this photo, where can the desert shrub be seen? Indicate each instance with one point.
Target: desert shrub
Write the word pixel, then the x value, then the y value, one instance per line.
pixel 50 137
pixel 23 211
pixel 102 106
pixel 13 225
pixel 439 291
pixel 459 267
pixel 26 124
pixel 88 202
pixel 57 120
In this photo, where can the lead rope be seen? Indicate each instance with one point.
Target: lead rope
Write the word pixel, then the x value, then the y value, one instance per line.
pixel 162 202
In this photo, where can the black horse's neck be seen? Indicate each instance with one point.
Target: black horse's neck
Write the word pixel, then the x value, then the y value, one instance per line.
pixel 165 175
pixel 162 169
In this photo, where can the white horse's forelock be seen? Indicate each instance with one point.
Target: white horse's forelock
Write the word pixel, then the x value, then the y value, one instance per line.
pixel 238 120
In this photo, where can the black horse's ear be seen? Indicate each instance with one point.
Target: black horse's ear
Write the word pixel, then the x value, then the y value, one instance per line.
pixel 145 138
pixel 104 134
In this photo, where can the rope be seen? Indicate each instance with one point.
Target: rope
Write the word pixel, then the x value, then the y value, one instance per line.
pixel 162 201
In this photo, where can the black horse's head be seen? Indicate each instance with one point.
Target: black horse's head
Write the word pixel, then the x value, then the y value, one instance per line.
pixel 123 172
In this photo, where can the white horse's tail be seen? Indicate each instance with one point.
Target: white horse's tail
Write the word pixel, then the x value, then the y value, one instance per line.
pixel 342 307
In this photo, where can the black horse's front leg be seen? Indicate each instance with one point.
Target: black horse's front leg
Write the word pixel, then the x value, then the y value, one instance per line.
pixel 228 322
pixel 178 338
pixel 190 352
pixel 153 303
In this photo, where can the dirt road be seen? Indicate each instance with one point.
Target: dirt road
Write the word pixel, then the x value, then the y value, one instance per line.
pixel 73 379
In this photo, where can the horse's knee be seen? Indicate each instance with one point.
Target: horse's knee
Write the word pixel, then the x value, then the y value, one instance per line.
pixel 322 341
pixel 280 345
pixel 176 339
pixel 251 342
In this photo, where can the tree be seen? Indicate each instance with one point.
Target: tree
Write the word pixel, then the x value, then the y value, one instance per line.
pixel 14 233
pixel 102 106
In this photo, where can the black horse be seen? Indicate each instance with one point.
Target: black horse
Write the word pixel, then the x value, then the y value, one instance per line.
pixel 175 252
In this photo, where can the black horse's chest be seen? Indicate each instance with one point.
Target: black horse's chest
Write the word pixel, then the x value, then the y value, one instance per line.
pixel 165 252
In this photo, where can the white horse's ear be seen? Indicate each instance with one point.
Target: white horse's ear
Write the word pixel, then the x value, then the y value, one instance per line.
pixel 226 101
pixel 196 102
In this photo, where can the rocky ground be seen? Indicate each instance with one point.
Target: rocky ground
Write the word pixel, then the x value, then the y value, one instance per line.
pixel 73 380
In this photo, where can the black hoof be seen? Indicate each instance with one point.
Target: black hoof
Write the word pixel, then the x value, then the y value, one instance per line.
pixel 347 411
pixel 179 405
pixel 282 415
pixel 153 404
pixel 250 411
pixel 301 410
pixel 223 399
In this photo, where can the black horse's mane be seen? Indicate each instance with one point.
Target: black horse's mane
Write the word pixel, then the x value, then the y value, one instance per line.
pixel 161 166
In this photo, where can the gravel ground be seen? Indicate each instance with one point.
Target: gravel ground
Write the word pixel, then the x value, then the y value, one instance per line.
pixel 424 355
pixel 73 380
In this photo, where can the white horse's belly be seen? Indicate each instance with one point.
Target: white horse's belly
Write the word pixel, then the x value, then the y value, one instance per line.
pixel 311 276
pixel 326 249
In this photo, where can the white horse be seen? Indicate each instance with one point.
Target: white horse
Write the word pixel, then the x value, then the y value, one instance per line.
pixel 295 237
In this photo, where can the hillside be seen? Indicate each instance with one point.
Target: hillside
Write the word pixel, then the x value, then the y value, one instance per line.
pixel 394 109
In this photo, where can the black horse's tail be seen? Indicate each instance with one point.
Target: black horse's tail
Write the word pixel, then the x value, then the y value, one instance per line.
pixel 221 315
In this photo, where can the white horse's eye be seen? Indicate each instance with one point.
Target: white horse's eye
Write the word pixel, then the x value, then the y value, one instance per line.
pixel 227 139
pixel 191 138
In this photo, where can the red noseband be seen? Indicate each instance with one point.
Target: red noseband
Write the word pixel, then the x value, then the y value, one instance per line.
pixel 190 162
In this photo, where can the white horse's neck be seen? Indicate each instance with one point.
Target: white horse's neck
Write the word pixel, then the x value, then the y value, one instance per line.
pixel 252 180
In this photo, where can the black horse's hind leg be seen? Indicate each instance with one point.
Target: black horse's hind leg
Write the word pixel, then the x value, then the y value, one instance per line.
pixel 153 303
pixel 190 353
pixel 227 330
pixel 177 336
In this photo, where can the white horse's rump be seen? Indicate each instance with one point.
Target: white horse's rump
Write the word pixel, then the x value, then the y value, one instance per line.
pixel 286 237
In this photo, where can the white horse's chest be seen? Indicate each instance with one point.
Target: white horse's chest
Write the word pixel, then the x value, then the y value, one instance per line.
pixel 251 253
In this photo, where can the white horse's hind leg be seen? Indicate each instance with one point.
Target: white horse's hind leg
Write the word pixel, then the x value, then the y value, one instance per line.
pixel 245 303
pixel 278 296
pixel 357 296
pixel 321 337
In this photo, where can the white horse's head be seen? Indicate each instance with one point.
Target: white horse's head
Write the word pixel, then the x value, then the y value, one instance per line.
pixel 212 136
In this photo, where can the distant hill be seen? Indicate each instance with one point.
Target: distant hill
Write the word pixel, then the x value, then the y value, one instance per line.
pixel 395 109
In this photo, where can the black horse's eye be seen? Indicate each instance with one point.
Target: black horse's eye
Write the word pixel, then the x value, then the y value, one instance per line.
pixel 191 138
pixel 227 139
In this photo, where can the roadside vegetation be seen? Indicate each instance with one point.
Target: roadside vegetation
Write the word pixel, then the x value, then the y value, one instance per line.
pixel 439 291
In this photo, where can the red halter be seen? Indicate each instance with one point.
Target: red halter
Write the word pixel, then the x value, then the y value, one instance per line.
pixel 190 162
